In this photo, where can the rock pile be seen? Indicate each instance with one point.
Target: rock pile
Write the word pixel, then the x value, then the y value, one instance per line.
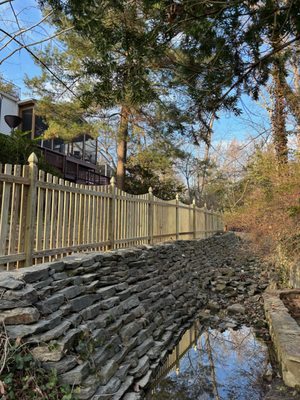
pixel 235 293
pixel 105 320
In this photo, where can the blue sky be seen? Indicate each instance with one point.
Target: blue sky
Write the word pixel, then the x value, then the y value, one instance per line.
pixel 20 63
pixel 227 128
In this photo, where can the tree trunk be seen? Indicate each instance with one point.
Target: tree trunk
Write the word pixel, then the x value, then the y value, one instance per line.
pixel 122 140
pixel 295 67
pixel 212 367
pixel 279 115
pixel 206 154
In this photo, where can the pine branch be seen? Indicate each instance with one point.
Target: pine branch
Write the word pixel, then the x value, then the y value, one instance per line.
pixel 257 63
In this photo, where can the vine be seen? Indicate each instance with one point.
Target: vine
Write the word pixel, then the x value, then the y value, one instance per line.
pixel 22 377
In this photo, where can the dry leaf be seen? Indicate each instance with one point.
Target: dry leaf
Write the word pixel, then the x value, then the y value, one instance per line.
pixel 2 387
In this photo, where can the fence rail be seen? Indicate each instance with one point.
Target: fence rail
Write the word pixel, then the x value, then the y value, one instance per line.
pixel 43 217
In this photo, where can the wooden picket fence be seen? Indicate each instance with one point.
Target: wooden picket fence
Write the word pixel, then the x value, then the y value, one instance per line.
pixel 43 218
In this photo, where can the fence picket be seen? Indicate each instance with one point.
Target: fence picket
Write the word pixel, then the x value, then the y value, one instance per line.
pixel 47 215
pixel 22 216
pixel 13 224
pixel 59 230
pixel 66 214
pixel 5 206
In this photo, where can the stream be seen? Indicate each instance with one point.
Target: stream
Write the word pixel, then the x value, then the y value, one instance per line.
pixel 210 364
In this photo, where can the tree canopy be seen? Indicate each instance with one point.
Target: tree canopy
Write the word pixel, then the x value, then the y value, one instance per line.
pixel 166 69
pixel 210 51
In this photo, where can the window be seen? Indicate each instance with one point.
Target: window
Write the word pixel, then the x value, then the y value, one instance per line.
pixel 27 119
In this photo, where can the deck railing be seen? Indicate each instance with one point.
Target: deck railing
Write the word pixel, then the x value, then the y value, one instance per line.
pixel 43 217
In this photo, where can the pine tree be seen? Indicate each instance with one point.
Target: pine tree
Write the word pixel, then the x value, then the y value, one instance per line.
pixel 120 67
pixel 211 52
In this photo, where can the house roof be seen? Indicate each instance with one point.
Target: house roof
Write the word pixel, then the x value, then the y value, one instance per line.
pixel 27 102
pixel 9 96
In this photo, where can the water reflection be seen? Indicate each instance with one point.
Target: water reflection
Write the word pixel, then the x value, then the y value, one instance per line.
pixel 213 365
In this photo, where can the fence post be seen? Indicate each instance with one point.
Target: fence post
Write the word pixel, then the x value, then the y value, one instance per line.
pixel 222 226
pixel 177 216
pixel 150 216
pixel 212 219
pixel 111 222
pixel 194 218
pixel 205 221
pixel 31 210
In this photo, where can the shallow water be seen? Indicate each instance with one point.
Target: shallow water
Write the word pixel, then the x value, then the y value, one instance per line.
pixel 213 365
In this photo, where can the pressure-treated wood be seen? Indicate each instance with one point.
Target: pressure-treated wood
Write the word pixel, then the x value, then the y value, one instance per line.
pixel 43 218
pixel 31 210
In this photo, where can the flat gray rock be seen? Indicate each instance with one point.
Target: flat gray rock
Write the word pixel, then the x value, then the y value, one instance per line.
pixel 142 367
pixel 123 388
pixel 133 396
pixel 107 372
pixel 26 315
pixel 9 281
pixel 236 309
pixel 43 353
pixel 34 273
pixel 76 375
pixel 27 293
pixel 62 366
pixel 21 331
pixel 110 388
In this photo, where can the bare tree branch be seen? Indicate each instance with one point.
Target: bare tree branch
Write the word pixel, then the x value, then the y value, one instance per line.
pixel 20 32
pixel 40 62
pixel 34 44
pixel 15 15
pixel 5 1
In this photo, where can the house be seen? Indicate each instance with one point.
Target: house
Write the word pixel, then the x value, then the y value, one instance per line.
pixel 75 160
pixel 8 106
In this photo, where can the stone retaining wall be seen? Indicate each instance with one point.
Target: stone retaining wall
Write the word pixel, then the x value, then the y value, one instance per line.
pixel 285 334
pixel 105 320
pixel 294 274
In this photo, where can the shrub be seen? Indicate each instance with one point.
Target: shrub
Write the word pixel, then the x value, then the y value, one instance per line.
pixel 270 210
pixel 16 148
